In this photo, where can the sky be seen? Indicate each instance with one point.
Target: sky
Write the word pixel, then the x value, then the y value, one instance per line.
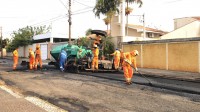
pixel 159 14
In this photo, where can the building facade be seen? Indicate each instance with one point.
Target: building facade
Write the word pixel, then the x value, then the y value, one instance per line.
pixel 188 27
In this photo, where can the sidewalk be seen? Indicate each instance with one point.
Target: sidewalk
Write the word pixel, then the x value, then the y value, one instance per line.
pixel 177 75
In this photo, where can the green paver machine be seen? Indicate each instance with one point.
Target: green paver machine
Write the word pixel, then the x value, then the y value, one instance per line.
pixel 76 63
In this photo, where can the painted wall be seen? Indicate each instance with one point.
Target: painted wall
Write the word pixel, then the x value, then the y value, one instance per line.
pixel 4 53
pixel 187 31
pixel 178 56
pixel 154 56
pixel 183 56
pixel 180 22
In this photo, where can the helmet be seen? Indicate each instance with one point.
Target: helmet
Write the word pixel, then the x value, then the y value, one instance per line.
pixel 134 53
pixel 116 49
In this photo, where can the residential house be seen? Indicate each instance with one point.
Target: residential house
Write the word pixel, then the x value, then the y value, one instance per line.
pixel 133 32
pixel 187 27
pixel 46 41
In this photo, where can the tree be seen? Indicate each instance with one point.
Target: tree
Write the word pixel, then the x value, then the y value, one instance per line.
pixel 88 32
pixel 105 6
pixel 108 8
pixel 128 10
pixel 108 45
pixel 24 36
pixel 108 19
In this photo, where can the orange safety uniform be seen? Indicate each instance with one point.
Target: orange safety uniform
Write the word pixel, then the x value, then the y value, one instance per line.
pixel 117 56
pixel 31 59
pixel 15 59
pixel 38 57
pixel 128 70
pixel 95 63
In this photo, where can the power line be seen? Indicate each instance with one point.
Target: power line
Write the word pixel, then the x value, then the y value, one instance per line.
pixel 63 4
pixel 82 9
pixel 50 20
pixel 82 12
pixel 83 4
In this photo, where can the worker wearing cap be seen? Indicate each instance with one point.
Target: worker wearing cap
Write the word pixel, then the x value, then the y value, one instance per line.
pixel 62 59
pixel 15 58
pixel 31 59
pixel 38 57
pixel 129 58
pixel 95 63
pixel 116 55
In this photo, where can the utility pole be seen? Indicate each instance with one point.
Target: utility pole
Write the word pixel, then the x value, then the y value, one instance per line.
pixel 144 32
pixel 70 21
pixel 122 26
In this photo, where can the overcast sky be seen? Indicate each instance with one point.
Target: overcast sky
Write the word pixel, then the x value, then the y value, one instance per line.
pixel 15 14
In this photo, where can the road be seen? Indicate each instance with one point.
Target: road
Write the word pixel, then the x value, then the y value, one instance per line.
pixel 157 82
pixel 15 103
pixel 101 92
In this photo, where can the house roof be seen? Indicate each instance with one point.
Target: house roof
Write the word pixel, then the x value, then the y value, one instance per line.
pixel 147 29
pixel 197 18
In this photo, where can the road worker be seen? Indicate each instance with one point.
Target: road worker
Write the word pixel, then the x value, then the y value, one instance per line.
pixel 129 58
pixel 62 59
pixel 116 55
pixel 38 56
pixel 95 52
pixel 31 59
pixel 15 58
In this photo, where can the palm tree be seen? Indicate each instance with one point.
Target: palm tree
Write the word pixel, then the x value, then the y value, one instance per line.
pixel 88 32
pixel 108 8
pixel 108 19
pixel 107 22
pixel 128 10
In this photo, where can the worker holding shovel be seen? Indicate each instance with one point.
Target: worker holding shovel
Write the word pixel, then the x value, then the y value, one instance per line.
pixel 129 58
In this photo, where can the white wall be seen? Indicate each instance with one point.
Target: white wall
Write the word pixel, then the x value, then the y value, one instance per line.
pixel 187 31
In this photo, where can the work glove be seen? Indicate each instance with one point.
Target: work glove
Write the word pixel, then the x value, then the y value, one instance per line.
pixel 136 69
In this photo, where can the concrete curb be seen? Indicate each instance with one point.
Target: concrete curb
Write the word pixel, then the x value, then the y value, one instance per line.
pixel 170 77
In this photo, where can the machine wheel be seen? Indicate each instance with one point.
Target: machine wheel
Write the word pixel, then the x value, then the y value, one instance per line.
pixel 76 69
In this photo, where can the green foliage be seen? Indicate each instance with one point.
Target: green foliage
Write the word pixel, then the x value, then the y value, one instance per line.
pixel 24 36
pixel 108 45
pixel 105 6
pixel 4 43
pixel 88 32
pixel 84 41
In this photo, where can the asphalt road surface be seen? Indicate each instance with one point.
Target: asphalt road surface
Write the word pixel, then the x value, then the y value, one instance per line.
pixel 157 82
pixel 103 92
pixel 10 103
